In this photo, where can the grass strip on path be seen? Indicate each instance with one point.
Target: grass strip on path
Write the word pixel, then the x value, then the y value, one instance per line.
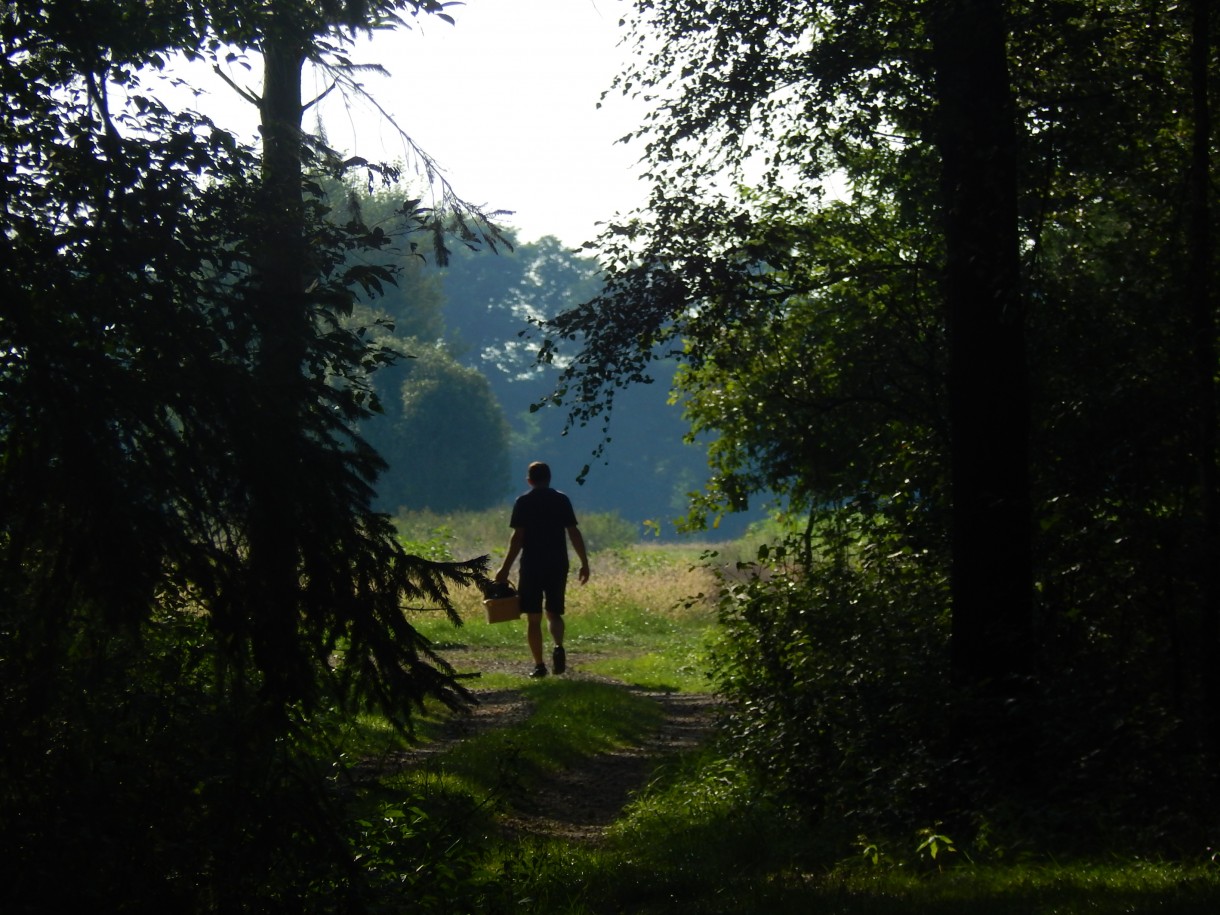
pixel 571 721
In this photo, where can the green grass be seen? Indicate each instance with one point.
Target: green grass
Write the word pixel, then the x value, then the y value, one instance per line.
pixel 570 720
pixel 698 839
pixel 1032 889
pixel 634 622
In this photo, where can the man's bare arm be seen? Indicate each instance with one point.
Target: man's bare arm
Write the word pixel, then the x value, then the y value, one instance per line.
pixel 578 544
pixel 514 549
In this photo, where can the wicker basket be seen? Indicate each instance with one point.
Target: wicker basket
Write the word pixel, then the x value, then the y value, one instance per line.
pixel 503 609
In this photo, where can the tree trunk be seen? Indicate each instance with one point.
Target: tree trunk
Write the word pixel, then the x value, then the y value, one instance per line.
pixel 279 311
pixel 1203 324
pixel 992 631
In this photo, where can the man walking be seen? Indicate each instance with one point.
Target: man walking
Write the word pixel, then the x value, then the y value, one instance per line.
pixel 541 520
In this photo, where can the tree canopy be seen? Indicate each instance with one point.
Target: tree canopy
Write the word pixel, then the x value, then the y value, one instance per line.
pixel 191 568
pixel 925 267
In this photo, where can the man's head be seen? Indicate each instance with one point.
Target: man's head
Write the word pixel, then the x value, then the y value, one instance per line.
pixel 539 474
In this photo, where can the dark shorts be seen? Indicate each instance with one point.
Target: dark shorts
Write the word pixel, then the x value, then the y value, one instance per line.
pixel 543 587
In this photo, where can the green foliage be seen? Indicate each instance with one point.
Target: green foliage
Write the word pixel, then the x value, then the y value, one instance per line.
pixel 702 838
pixel 194 588
pixel 607 531
pixel 470 533
pixel 443 435
pixel 141 787
pixel 836 672
pixel 834 392
pixel 437 546
pixel 406 852
pixel 464 322
pixel 833 658
pixel 432 460
pixel 707 834
pixel 489 302
pixel 190 570
pixel 933 844
pixel 812 315
pixel 412 306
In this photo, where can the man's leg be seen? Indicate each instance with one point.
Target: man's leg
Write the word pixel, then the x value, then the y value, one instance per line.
pixel 555 594
pixel 533 635
pixel 559 658
pixel 554 622
pixel 530 593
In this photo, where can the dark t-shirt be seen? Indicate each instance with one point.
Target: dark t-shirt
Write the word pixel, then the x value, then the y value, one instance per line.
pixel 545 515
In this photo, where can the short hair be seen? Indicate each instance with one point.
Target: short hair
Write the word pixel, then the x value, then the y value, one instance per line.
pixel 539 473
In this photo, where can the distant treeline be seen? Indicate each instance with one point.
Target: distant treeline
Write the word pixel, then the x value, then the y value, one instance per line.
pixel 460 420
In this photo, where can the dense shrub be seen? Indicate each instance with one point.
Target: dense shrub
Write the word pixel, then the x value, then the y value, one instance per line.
pixel 835 664
pixel 137 778
pixel 836 676
pixel 608 531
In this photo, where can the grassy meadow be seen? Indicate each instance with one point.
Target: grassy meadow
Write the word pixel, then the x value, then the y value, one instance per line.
pixel 642 618
pixel 699 837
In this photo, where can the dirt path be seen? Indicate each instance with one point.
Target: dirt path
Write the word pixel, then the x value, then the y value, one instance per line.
pixel 579 803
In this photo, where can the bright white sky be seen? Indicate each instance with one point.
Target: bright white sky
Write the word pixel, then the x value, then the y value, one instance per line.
pixel 505 102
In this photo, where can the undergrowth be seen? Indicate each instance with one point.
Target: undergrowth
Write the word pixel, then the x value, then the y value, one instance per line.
pixel 704 835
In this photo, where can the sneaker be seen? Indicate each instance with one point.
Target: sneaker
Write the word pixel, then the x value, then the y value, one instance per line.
pixel 539 671
pixel 559 659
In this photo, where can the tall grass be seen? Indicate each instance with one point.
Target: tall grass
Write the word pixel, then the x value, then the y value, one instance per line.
pixel 642 619
pixel 465 535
